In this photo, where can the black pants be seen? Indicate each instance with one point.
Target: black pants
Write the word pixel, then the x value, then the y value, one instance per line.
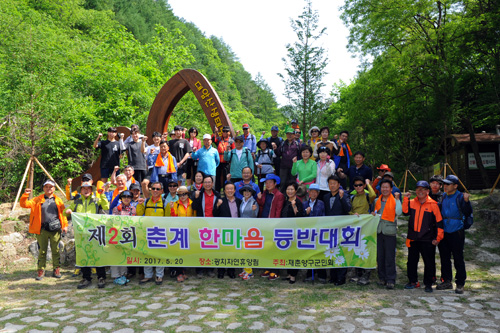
pixel 87 272
pixel 338 275
pixel 386 258
pixel 292 272
pixel 285 177
pixel 132 270
pixel 221 175
pixel 453 244
pixel 428 252
pixel 140 175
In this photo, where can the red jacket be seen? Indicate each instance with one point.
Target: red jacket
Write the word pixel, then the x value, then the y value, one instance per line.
pixel 276 204
pixel 426 223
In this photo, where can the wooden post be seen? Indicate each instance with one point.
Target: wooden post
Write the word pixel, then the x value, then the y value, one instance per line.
pixel 30 161
pixel 406 177
pixel 50 177
pixel 466 190
pixel 412 175
pixel 495 185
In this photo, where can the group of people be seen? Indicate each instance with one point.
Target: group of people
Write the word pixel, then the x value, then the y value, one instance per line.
pixel 222 176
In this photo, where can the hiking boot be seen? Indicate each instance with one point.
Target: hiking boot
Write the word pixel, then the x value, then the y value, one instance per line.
pixel 247 276
pixel 412 285
pixel 101 283
pixel 93 270
pixel 265 274
pixel 56 273
pixel 211 274
pixel 40 274
pixel 158 281
pixel 84 284
pixel 428 289
pixel 76 272
pixel 459 289
pixel 389 285
pixel 381 283
pixel 363 281
pixel 180 278
pixel 354 279
pixel 322 281
pixel 273 276
pixel 444 285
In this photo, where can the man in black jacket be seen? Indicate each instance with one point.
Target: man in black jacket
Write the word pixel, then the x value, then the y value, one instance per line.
pixel 336 203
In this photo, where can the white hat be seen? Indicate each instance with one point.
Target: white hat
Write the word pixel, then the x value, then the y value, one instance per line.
pixel 206 136
pixel 50 182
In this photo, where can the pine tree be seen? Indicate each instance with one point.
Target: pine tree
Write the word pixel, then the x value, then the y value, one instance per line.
pixel 305 68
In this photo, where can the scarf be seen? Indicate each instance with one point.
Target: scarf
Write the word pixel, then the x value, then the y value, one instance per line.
pixel 170 166
pixel 389 213
pixel 344 145
pixel 116 192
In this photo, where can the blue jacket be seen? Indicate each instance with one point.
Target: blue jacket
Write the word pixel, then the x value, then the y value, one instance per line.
pixel 317 210
pixel 240 184
pixel 208 160
pixel 453 215
pixel 250 142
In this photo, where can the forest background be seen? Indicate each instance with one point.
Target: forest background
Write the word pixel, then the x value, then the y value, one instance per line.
pixel 71 68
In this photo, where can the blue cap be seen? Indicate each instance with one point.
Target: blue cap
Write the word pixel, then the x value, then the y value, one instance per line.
pixel 274 128
pixel 314 187
pixel 451 179
pixel 423 183
pixel 271 176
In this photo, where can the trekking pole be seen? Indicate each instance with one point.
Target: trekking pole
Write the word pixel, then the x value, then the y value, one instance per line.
pixel 495 185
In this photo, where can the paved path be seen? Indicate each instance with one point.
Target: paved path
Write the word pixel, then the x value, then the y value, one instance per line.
pixel 211 305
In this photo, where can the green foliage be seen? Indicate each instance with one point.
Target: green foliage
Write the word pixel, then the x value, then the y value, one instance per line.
pixel 305 68
pixel 434 72
pixel 70 69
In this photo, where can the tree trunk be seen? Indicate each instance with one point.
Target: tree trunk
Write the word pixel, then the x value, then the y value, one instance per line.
pixel 475 150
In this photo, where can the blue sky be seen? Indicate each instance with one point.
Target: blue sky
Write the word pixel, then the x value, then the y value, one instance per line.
pixel 257 32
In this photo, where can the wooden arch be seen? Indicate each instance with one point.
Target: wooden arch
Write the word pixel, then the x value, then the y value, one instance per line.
pixel 164 104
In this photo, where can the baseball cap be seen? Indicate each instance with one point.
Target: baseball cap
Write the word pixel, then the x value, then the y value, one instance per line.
pixel 226 128
pixel 240 138
pixel 245 126
pixel 294 121
pixel 206 136
pixel 384 167
pixel 274 128
pixel 423 183
pixel 451 179
pixel 126 193
pixel 134 186
pixel 390 174
pixel 290 130
pixel 50 182
pixel 314 187
pixel 86 184
pixel 86 177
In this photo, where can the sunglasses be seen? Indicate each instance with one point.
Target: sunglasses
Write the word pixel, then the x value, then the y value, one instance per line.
pixel 182 194
pixel 315 131
pixel 127 197
pixel 172 185
pixel 156 188
pixel 358 185
pixel 225 131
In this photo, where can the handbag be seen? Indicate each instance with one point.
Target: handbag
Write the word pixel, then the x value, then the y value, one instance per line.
pixel 54 225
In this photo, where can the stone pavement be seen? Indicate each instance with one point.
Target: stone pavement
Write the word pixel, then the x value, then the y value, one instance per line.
pixel 213 305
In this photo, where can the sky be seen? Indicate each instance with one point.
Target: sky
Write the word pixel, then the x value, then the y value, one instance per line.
pixel 257 32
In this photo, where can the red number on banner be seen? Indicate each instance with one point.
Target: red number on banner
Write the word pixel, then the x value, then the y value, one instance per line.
pixel 112 241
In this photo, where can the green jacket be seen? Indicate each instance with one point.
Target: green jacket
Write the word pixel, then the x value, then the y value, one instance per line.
pixel 89 205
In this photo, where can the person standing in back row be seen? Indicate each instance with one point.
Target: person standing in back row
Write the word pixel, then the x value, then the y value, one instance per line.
pixel 110 153
pixel 180 149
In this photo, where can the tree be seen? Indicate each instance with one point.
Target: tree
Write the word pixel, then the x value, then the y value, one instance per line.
pixel 305 68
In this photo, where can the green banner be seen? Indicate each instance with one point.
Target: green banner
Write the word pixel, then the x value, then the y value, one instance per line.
pixel 312 242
